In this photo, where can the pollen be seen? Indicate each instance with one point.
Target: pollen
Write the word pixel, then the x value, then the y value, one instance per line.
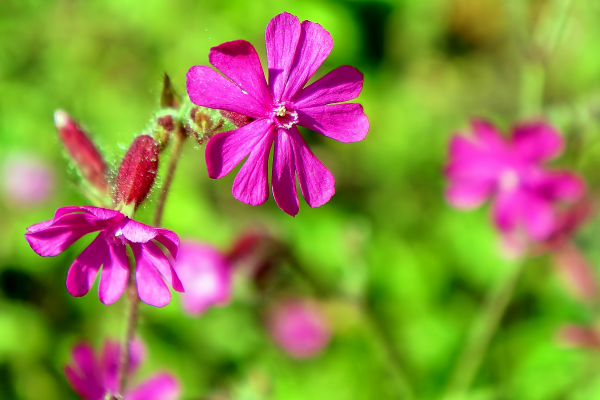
pixel 281 112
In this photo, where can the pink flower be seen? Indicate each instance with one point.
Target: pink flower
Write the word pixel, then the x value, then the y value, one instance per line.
pixel 50 238
pixel 27 181
pixel 93 379
pixel 579 336
pixel 299 328
pixel 294 52
pixel 207 276
pixel 512 172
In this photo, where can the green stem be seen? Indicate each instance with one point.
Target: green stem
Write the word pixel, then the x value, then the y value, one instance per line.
pixel 131 323
pixel 482 333
pixel 179 140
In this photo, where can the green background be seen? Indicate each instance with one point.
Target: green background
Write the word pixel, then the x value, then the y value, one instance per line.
pixel 387 237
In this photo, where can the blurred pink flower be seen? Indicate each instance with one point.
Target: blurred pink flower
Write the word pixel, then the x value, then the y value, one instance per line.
pixel 512 172
pixel 294 52
pixel 299 328
pixel 207 276
pixel 579 336
pixel 27 180
pixel 50 238
pixel 93 378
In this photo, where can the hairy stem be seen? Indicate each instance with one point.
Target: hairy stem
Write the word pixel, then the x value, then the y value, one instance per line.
pixel 131 322
pixel 179 139
pixel 482 333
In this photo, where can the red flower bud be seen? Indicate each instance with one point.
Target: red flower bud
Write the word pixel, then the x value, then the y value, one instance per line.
pixel 137 171
pixel 82 151
pixel 237 119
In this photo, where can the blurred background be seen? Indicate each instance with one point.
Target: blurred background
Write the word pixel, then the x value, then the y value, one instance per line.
pixel 387 239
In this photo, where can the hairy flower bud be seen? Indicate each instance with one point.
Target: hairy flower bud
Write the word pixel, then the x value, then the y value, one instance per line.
pixel 82 151
pixel 237 119
pixel 168 97
pixel 137 171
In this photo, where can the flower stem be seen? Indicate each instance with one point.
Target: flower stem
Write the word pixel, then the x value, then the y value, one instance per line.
pixel 131 323
pixel 482 333
pixel 179 139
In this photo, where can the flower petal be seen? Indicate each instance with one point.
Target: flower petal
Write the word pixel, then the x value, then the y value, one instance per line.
pixel 155 255
pixel 169 239
pixel 468 195
pixel 487 136
pixel 562 185
pixel 52 240
pixel 314 46
pixel 537 141
pixel 239 62
pixel 151 287
pixel 579 336
pixel 576 272
pixel 227 149
pixel 316 182
pixel 507 210
pixel 162 386
pixel 342 84
pixel 114 275
pixel 83 375
pixel 345 122
pixel 283 177
pixel 251 185
pixel 109 364
pixel 207 88
pixel 82 272
pixel 137 232
pixel 539 217
pixel 281 37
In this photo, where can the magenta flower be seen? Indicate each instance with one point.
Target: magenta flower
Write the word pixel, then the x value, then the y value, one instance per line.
pixel 299 328
pixel 207 276
pixel 512 172
pixel 294 52
pixel 26 180
pixel 94 379
pixel 50 238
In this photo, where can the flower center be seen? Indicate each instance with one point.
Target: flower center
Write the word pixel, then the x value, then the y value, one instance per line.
pixel 284 115
pixel 509 180
pixel 114 231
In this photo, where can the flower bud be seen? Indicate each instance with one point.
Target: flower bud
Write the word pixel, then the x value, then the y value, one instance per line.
pixel 168 97
pixel 236 119
pixel 82 151
pixel 137 171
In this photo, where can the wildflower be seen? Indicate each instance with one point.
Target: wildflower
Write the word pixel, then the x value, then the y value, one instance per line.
pixel 579 336
pixel 207 274
pixel 96 378
pixel 50 238
pixel 82 151
pixel 299 328
pixel 27 180
pixel 294 52
pixel 512 172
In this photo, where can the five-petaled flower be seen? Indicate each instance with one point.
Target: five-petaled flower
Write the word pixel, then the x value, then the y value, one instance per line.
pixel 50 238
pixel 294 52
pixel 94 378
pixel 513 173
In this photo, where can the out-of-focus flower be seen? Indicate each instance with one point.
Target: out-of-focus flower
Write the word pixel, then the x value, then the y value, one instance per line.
pixel 207 276
pixel 50 238
pixel 512 172
pixel 27 181
pixel 299 327
pixel 82 151
pixel 94 378
pixel 579 336
pixel 294 52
